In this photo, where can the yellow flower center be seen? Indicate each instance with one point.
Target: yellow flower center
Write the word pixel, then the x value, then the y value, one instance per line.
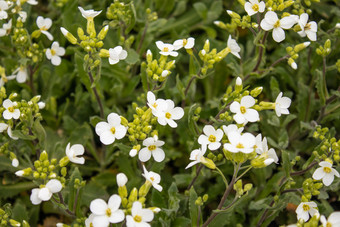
pixel 255 7
pixel 113 130
pixel 328 224
pixel 108 212
pixel 305 207
pixel 277 24
pixel 165 49
pixel 43 28
pixel 53 52
pixel 91 225
pixel 11 109
pixel 168 115
pixel 308 27
pixel 185 41
pixel 152 179
pixel 239 145
pixel 212 138
pixel 152 147
pixel 327 169
pixel 137 218
pixel 243 109
pixel 155 105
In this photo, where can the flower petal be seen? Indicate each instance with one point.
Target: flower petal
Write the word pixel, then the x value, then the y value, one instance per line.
pixel 158 155
pixel 98 207
pixel 144 155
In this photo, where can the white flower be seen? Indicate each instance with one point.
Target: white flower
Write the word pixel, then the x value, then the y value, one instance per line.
pixel 155 105
pixel 20 74
pixel 197 156
pixel 243 111
pixel 22 16
pixel 211 138
pixel 238 81
pixel 166 49
pixel 325 172
pixel 44 24
pixel 88 13
pixel 117 54
pixel 41 105
pixel 133 152
pixel 10 110
pixel 73 151
pixel 254 6
pixel 153 178
pixel 32 2
pixel 240 143
pixel 15 162
pixel 232 128
pixel 3 8
pixel 54 53
pixel 112 130
pixel 233 47
pixel 152 147
pixel 269 155
pixel 282 104
pixel 168 113
pixel 333 220
pixel 45 193
pixel 139 216
pixel 305 209
pixel 186 43
pixel 308 29
pixel 271 21
pixel 89 221
pixel 5 28
pixel 121 179
pixel 3 127
pixel 106 213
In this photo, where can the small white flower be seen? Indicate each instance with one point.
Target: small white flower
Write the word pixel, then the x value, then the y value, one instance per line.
pixel 20 74
pixel 15 162
pixel 282 104
pixel 153 178
pixel 73 151
pixel 254 6
pixel 54 53
pixel 117 54
pixel 152 147
pixel 41 105
pixel 5 28
pixel 112 130
pixel 231 128
pixel 169 114
pixel 44 24
pixel 121 179
pixel 243 111
pixel 197 156
pixel 139 216
pixel 308 29
pixel 325 172
pixel 186 43
pixel 11 110
pixel 269 155
pixel 155 105
pixel 305 209
pixel 233 47
pixel 293 65
pixel 133 152
pixel 3 8
pixel 240 143
pixel 45 193
pixel 337 25
pixel 89 221
pixel 211 138
pixel 333 220
pixel 88 13
pixel 106 213
pixel 166 49
pixel 3 127
pixel 272 22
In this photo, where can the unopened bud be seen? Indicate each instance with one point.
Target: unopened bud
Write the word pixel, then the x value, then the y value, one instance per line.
pixel 121 179
pixel 102 34
pixel 256 91
pixel 104 53
pixel 68 36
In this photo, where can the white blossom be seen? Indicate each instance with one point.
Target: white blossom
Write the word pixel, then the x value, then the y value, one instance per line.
pixel 307 29
pixel 133 152
pixel 153 178
pixel 111 130
pixel 332 221
pixel 73 151
pixel 121 179
pixel 233 47
pixel 243 111
pixel 197 156
pixel 152 147
pixel 305 209
pixel 254 6
pixel 5 28
pixel 231 128
pixel 88 13
pixel 11 110
pixel 139 216
pixel 186 43
pixel 3 8
pixel 20 74
pixel 282 104
pixel 269 155
pixel 89 221
pixel 41 105
pixel 54 53
pixel 3 127
pixel 44 194
pixel 166 49
pixel 156 105
pixel 168 113
pixel 117 54
pixel 44 24
pixel 272 22
pixel 211 138
pixel 326 173
pixel 240 143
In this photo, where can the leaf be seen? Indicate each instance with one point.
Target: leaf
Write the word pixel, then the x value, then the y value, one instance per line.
pixel 39 131
pixel 286 163
pixel 181 221
pixel 157 199
pixel 182 179
pixel 215 11
pixel 320 86
pixel 201 9
pixel 260 204
pixel 173 198
pixel 19 211
pixel 23 136
pixel 192 206
pixel 180 86
pixel 132 57
pixel 7 191
pixel 72 191
pixel 191 122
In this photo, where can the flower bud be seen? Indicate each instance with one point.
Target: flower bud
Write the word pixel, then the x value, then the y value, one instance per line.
pixel 14 222
pixel 301 46
pixel 248 187
pixel 133 152
pixel 238 85
pixel 43 156
pixel 68 36
pixel 133 195
pixel 104 53
pixel 256 92
pixel 102 34
pixel 149 56
pixel 41 105
pixel 209 163
pixel 64 161
pixel 155 209
pixel 121 179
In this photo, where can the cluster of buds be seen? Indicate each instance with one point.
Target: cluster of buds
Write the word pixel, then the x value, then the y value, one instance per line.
pixel 293 53
pixel 242 190
pixel 120 13
pixel 324 50
pixel 299 8
pixel 329 145
pixel 310 188
pixel 279 5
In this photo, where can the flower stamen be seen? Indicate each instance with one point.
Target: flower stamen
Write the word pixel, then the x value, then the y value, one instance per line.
pixel 137 218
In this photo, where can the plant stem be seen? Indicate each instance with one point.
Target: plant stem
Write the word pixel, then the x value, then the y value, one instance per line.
pixel 324 66
pixel 94 89
pixel 195 178
pixel 249 168
pixel 224 179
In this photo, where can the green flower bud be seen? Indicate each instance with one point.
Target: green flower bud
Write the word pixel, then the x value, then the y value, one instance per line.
pixel 64 161
pixel 122 191
pixel 81 34
pixel 14 222
pixel 43 156
pixel 102 34
pixel 69 36
pixel 209 163
pixel 248 187
pixel 238 187
pixel 36 34
pixel 199 201
pixel 256 92
pixel 205 197
pixel 133 195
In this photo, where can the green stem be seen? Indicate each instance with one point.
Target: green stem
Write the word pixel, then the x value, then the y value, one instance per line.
pixel 224 179
pixel 249 168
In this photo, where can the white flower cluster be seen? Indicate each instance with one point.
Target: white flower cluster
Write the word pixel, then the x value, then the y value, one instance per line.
pixel 167 49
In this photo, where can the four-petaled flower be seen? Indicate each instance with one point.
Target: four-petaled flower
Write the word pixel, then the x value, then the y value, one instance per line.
pixel 333 220
pixel 54 53
pixel 11 110
pixel 153 178
pixel 269 156
pixel 73 151
pixel 44 194
pixel 272 22
pixel 211 138
pixel 3 8
pixel 240 143
pixel 117 54
pixel 325 172
pixel 5 28
pixel 305 209
pixel 152 147
pixel 44 24
pixel 243 111
pixel 197 156
pixel 186 43
pixel 20 74
pixel 233 47
pixel 155 104
pixel 168 113
pixel 254 6
pixel 139 216
pixel 106 213
pixel 87 14
pixel 166 49
pixel 282 104
pixel 111 130
pixel 308 29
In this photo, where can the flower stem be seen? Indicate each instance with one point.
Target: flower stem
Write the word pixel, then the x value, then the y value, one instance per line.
pixel 94 89
pixel 224 179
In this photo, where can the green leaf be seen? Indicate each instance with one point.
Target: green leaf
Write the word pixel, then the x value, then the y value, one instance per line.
pixel 7 191
pixel 181 221
pixel 286 162
pixel 191 122
pixel 72 191
pixel 173 198
pixel 192 206
pixel 260 204
pixel 39 131
pixel 19 211
pixel 320 87
pixel 180 86
pixel 23 136
pixel 132 57
pixel 201 9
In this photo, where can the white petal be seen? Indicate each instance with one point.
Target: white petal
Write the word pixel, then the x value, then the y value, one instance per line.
pixel 147 215
pixel 271 17
pixel 56 60
pixel 136 208
pixel 78 149
pixel 328 179
pixel 248 8
pixel 247 101
pixel 266 26
pixel 120 132
pixel 54 186
pixel 177 113
pixel 107 138
pixel 251 115
pixel 278 34
pixel 101 221
pixel 160 45
pixel 113 119
pixel 98 207
pixel 117 216
pixel 287 22
pixel 234 137
pixel 235 107
pixel 45 194
pixel 311 35
pixel 34 196
pixel 158 155
pixel 102 127
pixel 319 173
pixel 214 146
pixel 303 19
pixel 144 155
pixel 114 202
pixel 122 55
pixel 209 130
pixel 239 118
pixel 49 35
